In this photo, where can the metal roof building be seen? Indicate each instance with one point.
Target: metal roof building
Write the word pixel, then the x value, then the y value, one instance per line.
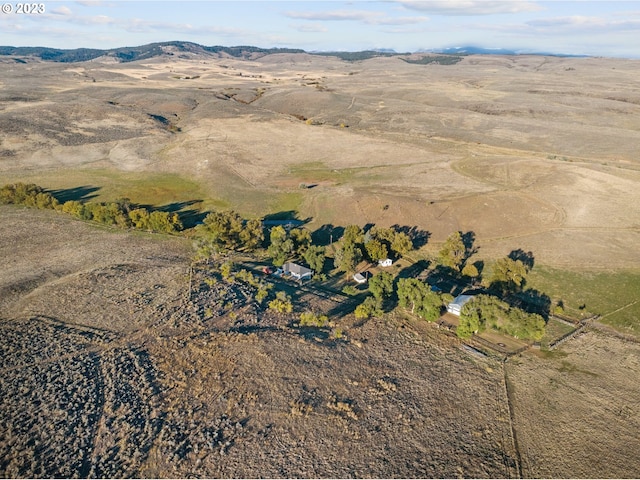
pixel 455 307
pixel 297 271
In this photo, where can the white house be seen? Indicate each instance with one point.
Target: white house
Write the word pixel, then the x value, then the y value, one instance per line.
pixel 297 271
pixel 455 307
pixel 358 277
pixel 387 262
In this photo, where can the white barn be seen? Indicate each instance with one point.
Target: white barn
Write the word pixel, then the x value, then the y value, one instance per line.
pixel 455 307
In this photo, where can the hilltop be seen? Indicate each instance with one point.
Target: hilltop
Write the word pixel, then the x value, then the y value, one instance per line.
pixel 187 50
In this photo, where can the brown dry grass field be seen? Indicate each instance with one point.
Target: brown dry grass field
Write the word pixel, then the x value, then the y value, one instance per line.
pixel 116 364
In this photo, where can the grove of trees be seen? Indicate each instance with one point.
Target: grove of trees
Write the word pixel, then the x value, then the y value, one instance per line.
pixel 417 295
pixel 119 213
pixel 487 311
pixel 227 230
pixel 376 244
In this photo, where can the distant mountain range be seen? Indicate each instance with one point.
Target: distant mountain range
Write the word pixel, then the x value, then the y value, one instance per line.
pixel 144 52
pixel 471 50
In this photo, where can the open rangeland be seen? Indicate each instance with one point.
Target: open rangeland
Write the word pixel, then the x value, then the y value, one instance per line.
pixel 112 368
pixel 528 152
pixel 119 360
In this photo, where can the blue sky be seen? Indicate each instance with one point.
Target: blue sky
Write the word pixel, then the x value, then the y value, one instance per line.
pixel 602 28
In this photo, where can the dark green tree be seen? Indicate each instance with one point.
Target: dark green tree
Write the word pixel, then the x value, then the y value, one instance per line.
pixel 376 250
pixel 252 235
pixel 301 239
pixel 453 252
pixel 381 285
pixel 416 294
pixel 508 275
pixel 281 247
pixel 401 244
pixel 347 257
pixel 314 256
pixel 352 235
pixel 370 307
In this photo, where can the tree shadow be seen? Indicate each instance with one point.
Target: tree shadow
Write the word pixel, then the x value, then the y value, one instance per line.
pixel 189 217
pixel 446 279
pixel 284 215
pixel 176 206
pixel 526 258
pixel 192 218
pixel 531 301
pixel 80 194
pixel 368 227
pixel 479 264
pixel 419 237
pixel 414 270
pixel 326 234
pixel 286 218
pixel 468 239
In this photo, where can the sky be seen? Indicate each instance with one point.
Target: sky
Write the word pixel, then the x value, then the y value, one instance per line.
pixel 577 27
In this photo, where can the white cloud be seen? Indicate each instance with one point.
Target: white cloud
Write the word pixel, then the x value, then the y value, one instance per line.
pixel 362 16
pixel 579 22
pixel 471 7
pixel 134 25
pixel 62 11
pixel 402 20
pixel 336 15
pixel 311 28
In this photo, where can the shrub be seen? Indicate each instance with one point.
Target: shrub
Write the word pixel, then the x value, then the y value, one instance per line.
pixel 310 319
pixel 369 308
pixel 282 303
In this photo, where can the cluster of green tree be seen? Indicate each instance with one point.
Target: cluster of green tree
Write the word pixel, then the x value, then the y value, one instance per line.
pixel 28 194
pixel 376 244
pixel 437 59
pixel 410 292
pixel 295 244
pixel 120 213
pixel 284 245
pixel 508 274
pixel 487 311
pixel 456 251
pixel 54 54
pixel 358 56
pixel 224 231
pixel 246 50
pixel 424 302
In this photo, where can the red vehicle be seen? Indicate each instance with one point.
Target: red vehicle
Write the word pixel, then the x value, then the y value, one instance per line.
pixel 267 270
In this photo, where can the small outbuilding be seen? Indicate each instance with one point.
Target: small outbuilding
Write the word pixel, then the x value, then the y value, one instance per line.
pixel 358 277
pixel 455 307
pixel 387 262
pixel 297 271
